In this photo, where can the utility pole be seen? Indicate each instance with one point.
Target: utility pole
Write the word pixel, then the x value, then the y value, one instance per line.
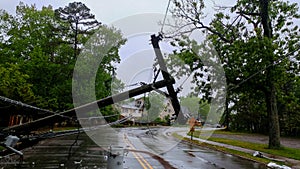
pixel 171 92
pixel 90 106
pixel 167 82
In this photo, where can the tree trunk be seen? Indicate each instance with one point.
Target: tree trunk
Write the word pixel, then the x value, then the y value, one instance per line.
pixel 75 40
pixel 270 93
pixel 227 114
pixel 274 130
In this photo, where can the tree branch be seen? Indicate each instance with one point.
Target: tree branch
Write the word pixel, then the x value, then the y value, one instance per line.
pixel 221 36
pixel 248 13
pixel 255 24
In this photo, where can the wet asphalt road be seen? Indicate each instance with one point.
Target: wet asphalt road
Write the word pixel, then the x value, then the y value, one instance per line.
pixel 67 152
pixel 183 155
pixel 148 149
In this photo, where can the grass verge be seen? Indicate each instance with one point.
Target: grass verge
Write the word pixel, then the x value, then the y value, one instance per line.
pixel 239 153
pixel 224 150
pixel 282 152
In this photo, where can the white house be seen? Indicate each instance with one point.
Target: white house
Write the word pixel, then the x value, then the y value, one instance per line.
pixel 134 109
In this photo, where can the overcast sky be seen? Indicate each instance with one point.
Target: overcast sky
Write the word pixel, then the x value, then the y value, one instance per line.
pixel 132 17
pixel 106 11
pixel 109 11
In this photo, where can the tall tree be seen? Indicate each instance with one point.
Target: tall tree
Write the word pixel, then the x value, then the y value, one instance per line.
pixel 81 23
pixel 270 91
pixel 35 43
pixel 254 47
pixel 32 47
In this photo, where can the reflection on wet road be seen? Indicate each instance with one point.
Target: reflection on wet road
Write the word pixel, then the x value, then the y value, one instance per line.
pixel 192 157
pixel 183 155
pixel 153 148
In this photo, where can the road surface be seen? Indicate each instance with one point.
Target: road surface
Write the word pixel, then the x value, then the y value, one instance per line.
pixel 149 148
pixel 180 155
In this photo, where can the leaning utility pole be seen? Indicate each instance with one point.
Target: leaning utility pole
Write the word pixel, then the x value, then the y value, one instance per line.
pixel 167 82
pixel 171 92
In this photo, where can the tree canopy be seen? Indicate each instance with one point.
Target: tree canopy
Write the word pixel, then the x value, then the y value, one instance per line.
pixel 257 45
pixel 39 49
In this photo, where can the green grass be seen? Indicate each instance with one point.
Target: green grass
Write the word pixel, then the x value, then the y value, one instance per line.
pixel 283 151
pixel 225 150
pixel 223 132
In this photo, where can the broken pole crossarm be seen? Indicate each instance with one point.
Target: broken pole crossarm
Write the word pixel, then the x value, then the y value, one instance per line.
pixel 91 106
pixel 172 94
pixel 125 95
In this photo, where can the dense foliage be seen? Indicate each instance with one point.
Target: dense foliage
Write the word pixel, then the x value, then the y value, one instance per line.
pixel 258 47
pixel 39 49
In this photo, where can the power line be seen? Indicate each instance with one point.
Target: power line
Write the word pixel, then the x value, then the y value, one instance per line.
pixel 24 105
pixel 165 17
pixel 185 80
pixel 261 70
pixel 18 103
pixel 136 84
pixel 98 117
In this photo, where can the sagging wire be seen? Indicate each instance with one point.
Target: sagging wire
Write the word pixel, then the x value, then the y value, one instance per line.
pixel 123 120
pixel 18 103
pixel 98 117
pixel 136 84
pixel 278 61
pixel 165 17
pixel 180 87
pixel 75 141
pixel 144 104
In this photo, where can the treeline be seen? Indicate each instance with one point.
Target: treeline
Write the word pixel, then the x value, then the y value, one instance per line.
pixel 39 49
pixel 257 45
